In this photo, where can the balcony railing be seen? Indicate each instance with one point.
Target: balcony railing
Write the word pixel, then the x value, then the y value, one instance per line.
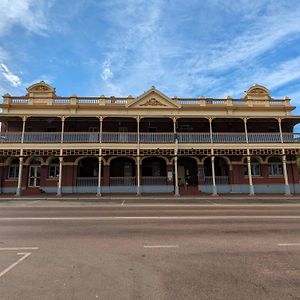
pixel 150 138
pixel 87 181
pixel 121 181
pixel 208 180
pixel 119 137
pixel 147 138
pixel 154 180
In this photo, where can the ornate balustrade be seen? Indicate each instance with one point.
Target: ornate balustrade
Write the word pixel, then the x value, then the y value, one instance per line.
pixel 147 138
pixel 124 101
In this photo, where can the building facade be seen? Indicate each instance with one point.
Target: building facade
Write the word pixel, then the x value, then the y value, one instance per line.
pixel 148 144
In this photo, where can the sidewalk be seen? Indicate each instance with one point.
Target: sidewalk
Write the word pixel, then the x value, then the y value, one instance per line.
pixel 160 199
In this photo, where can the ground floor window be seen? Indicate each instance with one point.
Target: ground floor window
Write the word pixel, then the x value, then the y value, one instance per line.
pixel 54 168
pixel 13 170
pixel 275 166
pixel 255 167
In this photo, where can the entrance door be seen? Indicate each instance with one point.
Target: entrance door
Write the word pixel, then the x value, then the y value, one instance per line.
pixel 181 175
pixel 187 175
pixel 34 176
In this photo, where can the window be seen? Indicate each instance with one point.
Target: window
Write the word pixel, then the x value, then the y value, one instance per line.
pixel 255 167
pixel 13 170
pixel 93 129
pixel 275 166
pixel 54 168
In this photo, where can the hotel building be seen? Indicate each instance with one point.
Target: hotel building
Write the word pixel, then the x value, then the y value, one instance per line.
pixel 148 144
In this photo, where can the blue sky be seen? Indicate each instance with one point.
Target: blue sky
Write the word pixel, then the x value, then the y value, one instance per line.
pixel 123 47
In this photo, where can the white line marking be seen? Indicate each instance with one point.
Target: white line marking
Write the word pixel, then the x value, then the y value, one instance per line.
pixel 25 255
pixel 200 205
pixel 147 218
pixel 289 244
pixel 211 202
pixel 161 246
pixel 123 202
pixel 19 248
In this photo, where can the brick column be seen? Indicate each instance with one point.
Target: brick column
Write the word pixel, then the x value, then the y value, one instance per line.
pixel 106 175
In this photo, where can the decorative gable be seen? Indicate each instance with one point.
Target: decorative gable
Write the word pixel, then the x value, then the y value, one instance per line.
pixel 258 92
pixel 153 98
pixel 41 89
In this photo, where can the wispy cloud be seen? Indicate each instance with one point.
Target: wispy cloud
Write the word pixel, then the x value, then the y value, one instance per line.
pixel 147 49
pixel 13 79
pixel 106 73
pixel 29 14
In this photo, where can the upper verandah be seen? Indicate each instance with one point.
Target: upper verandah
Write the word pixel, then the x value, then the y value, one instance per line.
pixel 256 100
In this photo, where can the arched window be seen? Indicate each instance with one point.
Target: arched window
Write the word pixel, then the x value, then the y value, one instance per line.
pixel 13 170
pixel 275 166
pixel 53 168
pixel 255 167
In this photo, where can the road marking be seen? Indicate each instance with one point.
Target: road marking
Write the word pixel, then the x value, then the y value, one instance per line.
pixel 289 244
pixel 161 246
pixel 123 202
pixel 211 202
pixel 19 248
pixel 25 255
pixel 130 205
pixel 147 218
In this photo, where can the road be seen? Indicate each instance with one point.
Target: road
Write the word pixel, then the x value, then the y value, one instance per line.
pixel 115 251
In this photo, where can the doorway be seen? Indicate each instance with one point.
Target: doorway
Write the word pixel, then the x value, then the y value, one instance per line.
pixel 34 178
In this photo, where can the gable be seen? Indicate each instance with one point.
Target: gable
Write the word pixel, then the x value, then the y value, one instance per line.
pixel 153 99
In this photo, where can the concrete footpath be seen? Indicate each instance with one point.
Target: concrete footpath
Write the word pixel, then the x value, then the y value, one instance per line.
pixel 155 199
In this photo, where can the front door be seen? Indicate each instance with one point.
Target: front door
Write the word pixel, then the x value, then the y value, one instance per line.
pixel 34 176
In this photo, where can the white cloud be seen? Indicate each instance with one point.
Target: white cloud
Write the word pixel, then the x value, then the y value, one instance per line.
pixel 106 73
pixel 266 33
pixel 145 48
pixel 13 79
pixel 29 14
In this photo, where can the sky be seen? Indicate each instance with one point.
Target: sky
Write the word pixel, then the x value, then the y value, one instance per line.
pixel 191 48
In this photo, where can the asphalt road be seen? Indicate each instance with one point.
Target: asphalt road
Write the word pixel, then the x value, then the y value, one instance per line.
pixel 50 251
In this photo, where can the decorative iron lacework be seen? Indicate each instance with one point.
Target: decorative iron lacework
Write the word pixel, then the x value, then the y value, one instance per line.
pixel 194 152
pixel 293 151
pixel 146 152
pixel 265 151
pixel 81 152
pixel 41 152
pixel 13 152
pixel 230 152
pixel 119 152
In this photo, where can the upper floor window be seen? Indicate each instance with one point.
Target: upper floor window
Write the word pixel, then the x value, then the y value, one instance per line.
pixel 275 166
pixel 13 169
pixel 255 167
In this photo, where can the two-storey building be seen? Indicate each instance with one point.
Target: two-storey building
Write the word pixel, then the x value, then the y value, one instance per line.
pixel 148 144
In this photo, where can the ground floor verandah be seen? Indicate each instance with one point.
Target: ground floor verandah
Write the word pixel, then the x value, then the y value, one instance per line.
pixel 177 175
